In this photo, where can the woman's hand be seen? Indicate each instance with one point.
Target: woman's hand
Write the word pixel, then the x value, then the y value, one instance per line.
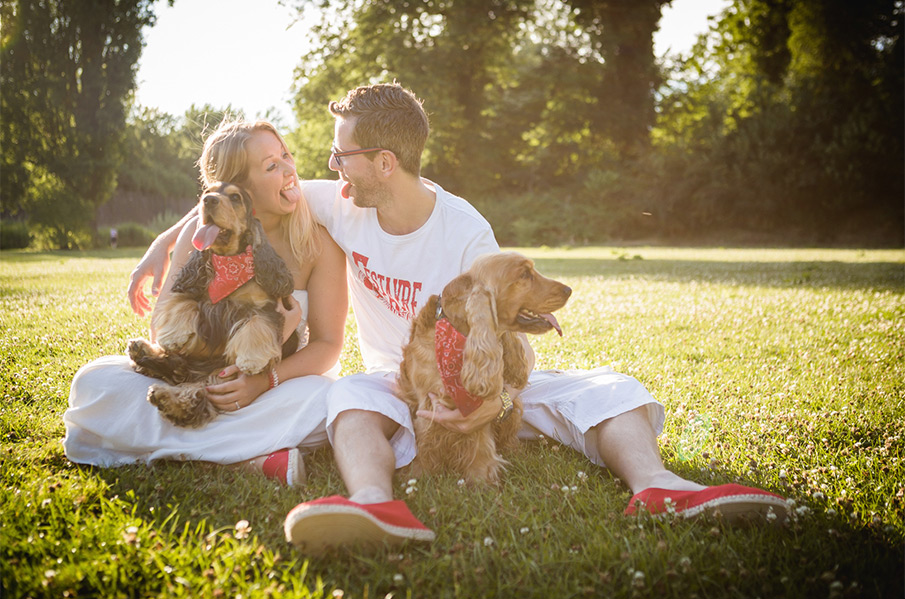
pixel 291 317
pixel 238 392
pixel 153 265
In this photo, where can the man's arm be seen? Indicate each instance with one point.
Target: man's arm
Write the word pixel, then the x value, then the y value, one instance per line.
pixel 154 265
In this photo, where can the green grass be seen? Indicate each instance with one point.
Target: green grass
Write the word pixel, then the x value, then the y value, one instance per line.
pixel 782 369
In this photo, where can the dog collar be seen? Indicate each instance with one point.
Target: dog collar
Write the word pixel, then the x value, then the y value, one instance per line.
pixel 449 345
pixel 230 273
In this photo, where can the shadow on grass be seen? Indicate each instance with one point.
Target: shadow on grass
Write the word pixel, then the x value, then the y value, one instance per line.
pixel 217 496
pixel 881 276
pixel 31 256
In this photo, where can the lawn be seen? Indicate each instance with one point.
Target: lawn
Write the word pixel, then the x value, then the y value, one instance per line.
pixel 782 369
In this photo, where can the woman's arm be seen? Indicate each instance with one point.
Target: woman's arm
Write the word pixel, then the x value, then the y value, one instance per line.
pixel 328 306
pixel 181 252
pixel 155 264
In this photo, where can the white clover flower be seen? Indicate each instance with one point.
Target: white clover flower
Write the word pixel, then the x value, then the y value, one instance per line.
pixel 524 530
pixel 582 475
pixel 412 482
pixel 410 490
pixel 397 578
pixel 488 541
pixel 242 529
pixel 771 515
pixel 461 482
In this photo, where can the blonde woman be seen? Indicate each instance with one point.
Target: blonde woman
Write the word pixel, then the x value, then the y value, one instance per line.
pixel 109 421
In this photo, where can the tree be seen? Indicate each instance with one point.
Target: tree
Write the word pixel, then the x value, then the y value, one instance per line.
pixel 621 35
pixel 67 71
pixel 791 112
pixel 452 52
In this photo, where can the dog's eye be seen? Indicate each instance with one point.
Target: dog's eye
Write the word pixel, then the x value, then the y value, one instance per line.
pixel 235 197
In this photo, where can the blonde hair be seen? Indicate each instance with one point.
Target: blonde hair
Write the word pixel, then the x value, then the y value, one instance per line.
pixel 225 158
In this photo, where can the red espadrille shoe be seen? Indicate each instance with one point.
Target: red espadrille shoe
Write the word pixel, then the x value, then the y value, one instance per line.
pixel 735 503
pixel 337 522
pixel 285 466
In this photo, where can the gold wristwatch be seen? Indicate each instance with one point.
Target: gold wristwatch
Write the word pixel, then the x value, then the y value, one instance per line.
pixel 507 406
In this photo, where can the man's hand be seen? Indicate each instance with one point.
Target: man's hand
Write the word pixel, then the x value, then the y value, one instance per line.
pixel 455 421
pixel 153 265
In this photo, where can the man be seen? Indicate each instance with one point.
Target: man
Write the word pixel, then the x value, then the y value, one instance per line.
pixel 405 238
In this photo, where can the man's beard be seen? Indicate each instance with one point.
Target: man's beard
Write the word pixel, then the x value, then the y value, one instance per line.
pixel 371 194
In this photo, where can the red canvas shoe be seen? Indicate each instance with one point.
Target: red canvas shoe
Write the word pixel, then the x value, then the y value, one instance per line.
pixel 735 503
pixel 337 522
pixel 285 466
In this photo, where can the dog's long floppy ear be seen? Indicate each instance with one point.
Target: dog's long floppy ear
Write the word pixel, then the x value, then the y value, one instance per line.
pixel 271 272
pixel 515 363
pixel 482 368
pixel 196 275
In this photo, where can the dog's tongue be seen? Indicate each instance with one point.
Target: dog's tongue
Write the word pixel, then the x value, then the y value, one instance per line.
pixel 205 236
pixel 552 320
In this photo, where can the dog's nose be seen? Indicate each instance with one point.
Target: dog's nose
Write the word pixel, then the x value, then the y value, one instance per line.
pixel 211 199
pixel 566 291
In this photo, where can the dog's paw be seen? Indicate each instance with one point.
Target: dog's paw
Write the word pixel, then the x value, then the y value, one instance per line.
pixel 183 406
pixel 138 349
pixel 253 364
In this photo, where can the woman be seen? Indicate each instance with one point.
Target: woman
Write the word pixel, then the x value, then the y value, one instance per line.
pixel 110 422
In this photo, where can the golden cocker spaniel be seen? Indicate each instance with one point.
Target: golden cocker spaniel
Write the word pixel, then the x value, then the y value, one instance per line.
pixel 464 346
pixel 221 311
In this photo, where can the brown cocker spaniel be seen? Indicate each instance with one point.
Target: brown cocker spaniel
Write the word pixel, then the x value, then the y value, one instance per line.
pixel 221 310
pixel 474 323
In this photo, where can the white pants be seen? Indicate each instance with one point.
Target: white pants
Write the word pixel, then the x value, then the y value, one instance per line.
pixel 561 405
pixel 110 422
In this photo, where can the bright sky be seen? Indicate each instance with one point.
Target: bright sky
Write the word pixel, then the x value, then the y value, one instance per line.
pixel 244 52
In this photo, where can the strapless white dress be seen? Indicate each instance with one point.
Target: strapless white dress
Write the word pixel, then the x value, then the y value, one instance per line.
pixel 109 421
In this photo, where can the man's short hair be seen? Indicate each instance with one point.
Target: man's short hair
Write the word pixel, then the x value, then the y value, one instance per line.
pixel 387 116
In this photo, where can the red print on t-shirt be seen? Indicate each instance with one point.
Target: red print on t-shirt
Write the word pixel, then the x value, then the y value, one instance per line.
pixel 397 294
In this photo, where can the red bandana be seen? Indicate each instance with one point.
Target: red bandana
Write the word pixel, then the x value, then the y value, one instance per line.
pixel 230 273
pixel 450 348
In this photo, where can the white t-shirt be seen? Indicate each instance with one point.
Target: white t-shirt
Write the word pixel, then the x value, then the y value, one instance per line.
pixel 392 276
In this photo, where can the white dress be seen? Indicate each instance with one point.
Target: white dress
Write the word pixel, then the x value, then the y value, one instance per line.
pixel 110 422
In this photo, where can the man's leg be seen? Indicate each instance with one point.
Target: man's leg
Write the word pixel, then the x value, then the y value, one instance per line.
pixel 614 421
pixel 371 433
pixel 365 459
pixel 628 446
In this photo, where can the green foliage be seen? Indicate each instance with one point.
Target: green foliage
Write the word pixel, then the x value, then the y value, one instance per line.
pixel 68 67
pixel 158 157
pixel 790 113
pixel 781 369
pixel 14 235
pixel 784 120
pixel 129 235
pixel 163 221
